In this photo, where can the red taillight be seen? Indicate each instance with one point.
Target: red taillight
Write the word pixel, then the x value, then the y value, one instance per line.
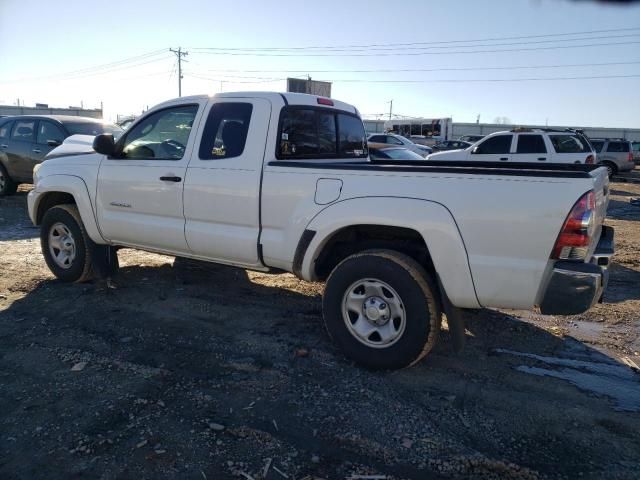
pixel 325 101
pixel 589 159
pixel 630 157
pixel 575 236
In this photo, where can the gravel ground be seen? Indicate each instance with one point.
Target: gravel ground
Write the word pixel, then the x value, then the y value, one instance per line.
pixel 196 371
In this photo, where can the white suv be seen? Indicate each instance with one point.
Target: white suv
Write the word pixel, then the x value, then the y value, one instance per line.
pixel 526 145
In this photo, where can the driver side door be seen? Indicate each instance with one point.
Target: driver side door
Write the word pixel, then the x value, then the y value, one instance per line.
pixel 139 195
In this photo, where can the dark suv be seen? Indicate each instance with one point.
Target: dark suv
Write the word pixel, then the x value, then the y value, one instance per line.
pixel 614 153
pixel 26 139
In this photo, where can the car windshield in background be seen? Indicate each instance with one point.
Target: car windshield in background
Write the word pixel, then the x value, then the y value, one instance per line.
pixel 93 128
pixel 569 144
pixel 394 154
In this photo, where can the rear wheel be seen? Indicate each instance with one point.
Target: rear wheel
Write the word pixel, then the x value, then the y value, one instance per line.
pixel 7 185
pixel 65 244
pixel 381 308
pixel 612 169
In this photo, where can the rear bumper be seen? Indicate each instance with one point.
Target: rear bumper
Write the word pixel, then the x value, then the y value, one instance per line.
pixel 576 287
pixel 626 166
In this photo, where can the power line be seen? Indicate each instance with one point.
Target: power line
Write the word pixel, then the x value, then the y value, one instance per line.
pixel 99 69
pixel 416 70
pixel 475 80
pixel 403 54
pixel 325 47
pixel 430 47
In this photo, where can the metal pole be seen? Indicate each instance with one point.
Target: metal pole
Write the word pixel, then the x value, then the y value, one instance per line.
pixel 390 109
pixel 179 53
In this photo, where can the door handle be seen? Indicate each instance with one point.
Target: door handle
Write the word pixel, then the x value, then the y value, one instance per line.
pixel 4 145
pixel 36 150
pixel 542 158
pixel 171 179
pixel 504 158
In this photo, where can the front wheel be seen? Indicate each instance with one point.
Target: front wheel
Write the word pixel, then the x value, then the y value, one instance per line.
pixel 381 308
pixel 66 246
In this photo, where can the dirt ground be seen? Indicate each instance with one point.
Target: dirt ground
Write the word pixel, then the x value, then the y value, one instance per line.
pixel 204 372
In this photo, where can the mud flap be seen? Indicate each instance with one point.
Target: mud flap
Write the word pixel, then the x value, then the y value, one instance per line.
pixel 455 320
pixel 105 261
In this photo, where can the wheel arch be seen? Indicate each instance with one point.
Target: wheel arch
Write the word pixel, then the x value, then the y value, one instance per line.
pixel 63 189
pixel 424 230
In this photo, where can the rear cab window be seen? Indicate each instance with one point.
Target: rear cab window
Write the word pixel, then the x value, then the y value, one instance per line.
pixel 569 144
pixel 314 133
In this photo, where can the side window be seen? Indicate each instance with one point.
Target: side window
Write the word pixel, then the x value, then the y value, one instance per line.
pixel 5 128
pixel 394 141
pixel 162 135
pixel 48 131
pixel 320 133
pixel 495 145
pixel 353 140
pixel 618 147
pixel 23 130
pixel 378 139
pixel 569 144
pixel 597 145
pixel 225 132
pixel 531 144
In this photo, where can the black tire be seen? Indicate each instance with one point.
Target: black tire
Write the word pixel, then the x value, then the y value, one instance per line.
pixel 80 269
pixel 612 168
pixel 418 296
pixel 7 185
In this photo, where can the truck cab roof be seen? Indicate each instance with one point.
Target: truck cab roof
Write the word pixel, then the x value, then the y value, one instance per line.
pixel 296 99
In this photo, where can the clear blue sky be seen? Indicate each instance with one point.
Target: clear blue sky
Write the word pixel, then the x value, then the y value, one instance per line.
pixel 42 42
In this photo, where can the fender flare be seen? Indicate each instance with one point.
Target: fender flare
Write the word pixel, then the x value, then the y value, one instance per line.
pixel 432 220
pixel 74 186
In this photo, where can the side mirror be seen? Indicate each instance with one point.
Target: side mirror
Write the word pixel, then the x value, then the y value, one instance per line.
pixel 475 150
pixel 104 144
pixel 54 143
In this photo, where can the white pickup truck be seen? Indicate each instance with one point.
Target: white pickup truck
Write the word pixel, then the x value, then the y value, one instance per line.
pixel 283 182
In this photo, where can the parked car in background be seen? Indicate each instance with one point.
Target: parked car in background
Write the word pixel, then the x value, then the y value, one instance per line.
pixel 392 139
pixel 383 151
pixel 26 139
pixel 471 138
pixel 614 153
pixel 451 145
pixel 636 151
pixel 526 145
pixel 125 122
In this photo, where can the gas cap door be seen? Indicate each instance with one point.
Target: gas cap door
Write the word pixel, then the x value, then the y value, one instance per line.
pixel 328 190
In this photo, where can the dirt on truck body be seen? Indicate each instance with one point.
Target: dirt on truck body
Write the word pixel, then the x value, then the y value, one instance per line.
pixel 189 370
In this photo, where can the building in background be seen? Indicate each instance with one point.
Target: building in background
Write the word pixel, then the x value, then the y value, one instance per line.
pixel 313 87
pixel 44 109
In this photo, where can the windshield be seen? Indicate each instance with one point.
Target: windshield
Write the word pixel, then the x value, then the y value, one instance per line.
pixel 93 128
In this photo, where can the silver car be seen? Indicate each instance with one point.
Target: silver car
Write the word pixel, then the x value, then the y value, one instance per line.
pixel 614 153
pixel 399 140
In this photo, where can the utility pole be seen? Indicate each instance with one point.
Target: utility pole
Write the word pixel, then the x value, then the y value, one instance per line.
pixel 179 53
pixel 390 109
